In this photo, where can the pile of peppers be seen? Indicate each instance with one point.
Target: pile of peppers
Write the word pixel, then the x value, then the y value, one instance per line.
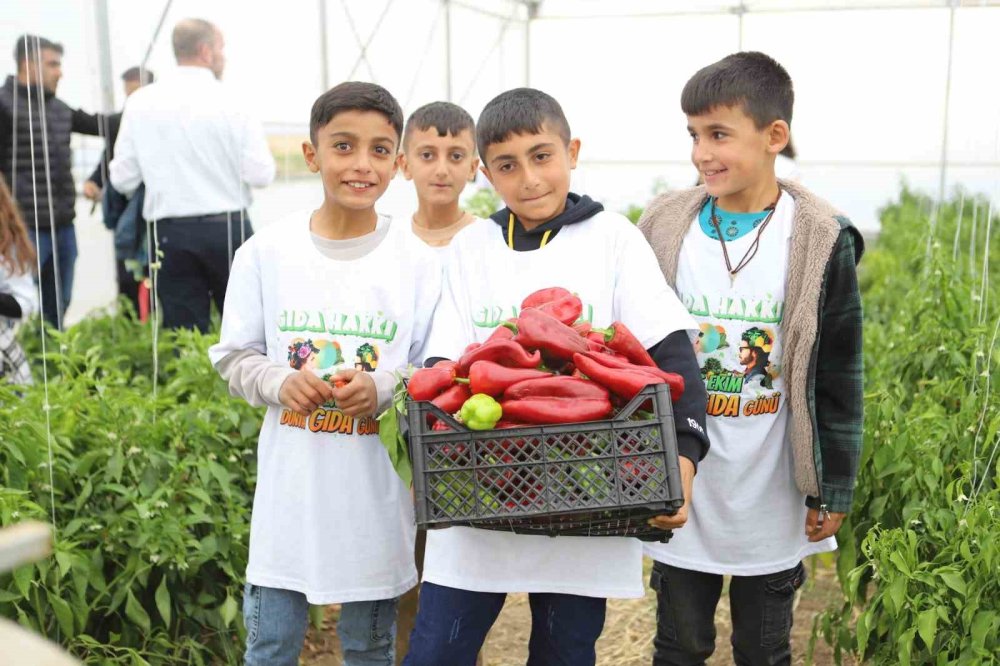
pixel 546 366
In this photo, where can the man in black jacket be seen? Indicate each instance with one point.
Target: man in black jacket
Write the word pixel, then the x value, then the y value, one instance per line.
pixel 35 160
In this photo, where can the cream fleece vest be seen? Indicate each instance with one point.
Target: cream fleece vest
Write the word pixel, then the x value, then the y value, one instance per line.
pixel 666 221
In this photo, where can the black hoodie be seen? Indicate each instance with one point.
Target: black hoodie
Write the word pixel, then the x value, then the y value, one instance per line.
pixel 578 209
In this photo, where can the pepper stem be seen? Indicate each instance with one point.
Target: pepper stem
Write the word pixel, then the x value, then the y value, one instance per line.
pixel 608 333
pixel 511 325
pixel 461 380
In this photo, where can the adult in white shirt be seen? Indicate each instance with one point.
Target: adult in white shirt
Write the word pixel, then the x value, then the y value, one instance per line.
pixel 198 153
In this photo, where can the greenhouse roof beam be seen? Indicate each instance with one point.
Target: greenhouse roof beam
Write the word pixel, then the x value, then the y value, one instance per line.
pixel 799 8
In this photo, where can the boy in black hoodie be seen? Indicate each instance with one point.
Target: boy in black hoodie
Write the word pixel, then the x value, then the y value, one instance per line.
pixel 545 237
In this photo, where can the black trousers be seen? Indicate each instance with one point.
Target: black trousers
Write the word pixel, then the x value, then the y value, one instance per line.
pixel 761 608
pixel 127 285
pixel 194 266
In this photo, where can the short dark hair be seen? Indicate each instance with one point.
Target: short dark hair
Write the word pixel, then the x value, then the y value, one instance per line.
pixel 519 111
pixel 25 47
pixel 749 78
pixel 190 34
pixel 445 117
pixel 354 96
pixel 134 74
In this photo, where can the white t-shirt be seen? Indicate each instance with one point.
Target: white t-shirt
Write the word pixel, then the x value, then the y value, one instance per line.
pixel 747 517
pixel 22 287
pixel 331 518
pixel 439 239
pixel 605 260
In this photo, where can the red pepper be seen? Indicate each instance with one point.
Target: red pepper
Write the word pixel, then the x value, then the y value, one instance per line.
pixel 556 410
pixel 500 333
pixel 493 379
pixel 620 381
pixel 567 309
pixel 452 399
pixel 445 363
pixel 596 346
pixel 621 340
pixel 429 383
pixel 558 386
pixel 504 352
pixel 556 301
pixel 675 381
pixel 496 479
pixel 543 296
pixel 504 424
pixel 582 327
pixel 470 347
pixel 540 330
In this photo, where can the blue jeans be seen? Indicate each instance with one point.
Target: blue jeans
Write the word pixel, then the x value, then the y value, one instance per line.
pixel 276 622
pixel 452 625
pixel 66 255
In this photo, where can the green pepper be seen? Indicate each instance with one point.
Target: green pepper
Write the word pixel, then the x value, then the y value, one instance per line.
pixel 481 412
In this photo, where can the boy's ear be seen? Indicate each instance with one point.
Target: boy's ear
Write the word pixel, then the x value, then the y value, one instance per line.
pixel 486 172
pixel 395 167
pixel 777 136
pixel 574 152
pixel 472 170
pixel 309 152
pixel 402 165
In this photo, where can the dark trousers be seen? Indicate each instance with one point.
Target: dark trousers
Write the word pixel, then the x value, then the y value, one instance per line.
pixel 127 285
pixel 194 266
pixel 761 608
pixel 452 625
pixel 54 309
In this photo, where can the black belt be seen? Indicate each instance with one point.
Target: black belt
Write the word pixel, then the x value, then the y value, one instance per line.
pixel 208 219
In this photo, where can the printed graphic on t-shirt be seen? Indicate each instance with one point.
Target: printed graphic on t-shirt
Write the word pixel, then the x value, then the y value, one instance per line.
pixel 491 316
pixel 366 357
pixel 738 357
pixel 324 356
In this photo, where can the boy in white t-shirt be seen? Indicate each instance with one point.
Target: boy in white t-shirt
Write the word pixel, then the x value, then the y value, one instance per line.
pixel 545 237
pixel 768 271
pixel 321 309
pixel 439 156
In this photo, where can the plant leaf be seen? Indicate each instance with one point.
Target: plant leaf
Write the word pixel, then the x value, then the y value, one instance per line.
pixel 162 598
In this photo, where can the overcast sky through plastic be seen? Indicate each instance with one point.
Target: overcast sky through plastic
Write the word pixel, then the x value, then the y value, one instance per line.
pixel 869 83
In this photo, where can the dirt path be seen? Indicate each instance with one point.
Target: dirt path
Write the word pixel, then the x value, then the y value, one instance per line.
pixel 628 632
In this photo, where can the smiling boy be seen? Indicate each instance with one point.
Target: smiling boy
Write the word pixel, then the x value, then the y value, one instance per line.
pixel 766 263
pixel 329 293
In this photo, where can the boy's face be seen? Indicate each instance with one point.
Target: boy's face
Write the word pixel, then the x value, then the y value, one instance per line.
pixel 531 173
pixel 730 152
pixel 355 153
pixel 439 166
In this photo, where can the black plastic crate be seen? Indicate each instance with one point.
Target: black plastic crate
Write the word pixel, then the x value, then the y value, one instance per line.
pixel 601 478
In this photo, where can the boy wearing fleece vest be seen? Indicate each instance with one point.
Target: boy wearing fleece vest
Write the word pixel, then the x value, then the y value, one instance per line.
pixel 767 269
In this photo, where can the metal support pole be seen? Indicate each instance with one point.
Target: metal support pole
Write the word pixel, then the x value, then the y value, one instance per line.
pixel 740 12
pixel 532 7
pixel 104 55
pixel 447 50
pixel 947 101
pixel 156 35
pixel 324 67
